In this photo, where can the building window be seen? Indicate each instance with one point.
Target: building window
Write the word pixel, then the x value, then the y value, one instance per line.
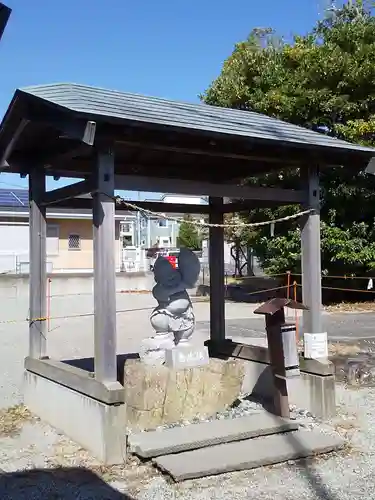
pixel 127 241
pixel 165 242
pixel 52 243
pixel 126 227
pixel 143 223
pixel 74 242
pixel 163 222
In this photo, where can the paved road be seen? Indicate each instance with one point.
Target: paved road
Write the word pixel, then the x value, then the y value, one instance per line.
pixel 342 326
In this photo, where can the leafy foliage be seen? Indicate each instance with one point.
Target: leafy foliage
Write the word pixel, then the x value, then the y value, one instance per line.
pixel 324 81
pixel 188 235
pixel 238 234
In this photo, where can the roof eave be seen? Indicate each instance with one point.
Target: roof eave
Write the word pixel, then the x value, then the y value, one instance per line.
pixel 5 12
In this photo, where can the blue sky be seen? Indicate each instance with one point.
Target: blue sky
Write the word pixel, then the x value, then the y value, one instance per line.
pixel 171 49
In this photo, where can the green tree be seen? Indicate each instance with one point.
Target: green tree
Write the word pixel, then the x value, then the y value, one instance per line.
pixel 324 81
pixel 240 236
pixel 188 235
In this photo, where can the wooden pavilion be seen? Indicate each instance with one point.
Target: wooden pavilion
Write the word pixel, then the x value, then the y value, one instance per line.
pixel 115 140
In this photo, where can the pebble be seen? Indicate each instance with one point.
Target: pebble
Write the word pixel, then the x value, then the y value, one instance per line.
pixel 344 476
pixel 242 408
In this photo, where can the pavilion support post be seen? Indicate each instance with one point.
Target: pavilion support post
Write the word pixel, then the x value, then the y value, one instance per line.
pixel 38 265
pixel 217 278
pixel 315 340
pixel 104 269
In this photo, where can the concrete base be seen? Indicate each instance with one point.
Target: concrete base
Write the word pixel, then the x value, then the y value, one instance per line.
pixel 314 393
pixel 313 390
pixel 98 427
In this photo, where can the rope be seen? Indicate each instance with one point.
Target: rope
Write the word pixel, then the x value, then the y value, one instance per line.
pixel 358 290
pixel 121 311
pixel 267 290
pixel 346 277
pixel 121 201
pixel 245 278
pixel 348 289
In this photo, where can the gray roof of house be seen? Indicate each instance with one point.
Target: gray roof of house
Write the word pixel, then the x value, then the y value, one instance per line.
pixel 198 117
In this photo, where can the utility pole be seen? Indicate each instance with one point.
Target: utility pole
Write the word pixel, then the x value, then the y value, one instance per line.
pixel 139 223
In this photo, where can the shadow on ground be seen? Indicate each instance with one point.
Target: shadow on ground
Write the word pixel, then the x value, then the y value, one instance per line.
pixel 313 479
pixel 250 290
pixel 57 484
pixel 305 465
pixel 87 364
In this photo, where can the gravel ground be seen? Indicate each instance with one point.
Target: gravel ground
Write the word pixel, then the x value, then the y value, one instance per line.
pixel 39 463
pixel 344 475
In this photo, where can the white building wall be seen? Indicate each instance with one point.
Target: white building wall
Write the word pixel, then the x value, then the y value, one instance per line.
pixel 189 200
pixel 14 245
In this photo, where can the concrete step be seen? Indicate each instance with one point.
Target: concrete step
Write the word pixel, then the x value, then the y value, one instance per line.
pixel 248 454
pixel 194 436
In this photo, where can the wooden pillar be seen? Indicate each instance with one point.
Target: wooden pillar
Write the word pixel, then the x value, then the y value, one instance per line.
pixel 276 353
pixel 310 254
pixel 104 269
pixel 38 271
pixel 217 277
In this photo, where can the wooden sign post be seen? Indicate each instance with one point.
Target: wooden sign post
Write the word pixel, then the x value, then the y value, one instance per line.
pixel 282 349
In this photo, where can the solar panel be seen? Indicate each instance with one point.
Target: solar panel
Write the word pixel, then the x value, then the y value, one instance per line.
pixel 7 199
pixel 14 197
pixel 22 195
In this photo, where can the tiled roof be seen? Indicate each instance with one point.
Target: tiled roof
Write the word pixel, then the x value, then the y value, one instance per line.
pixel 200 117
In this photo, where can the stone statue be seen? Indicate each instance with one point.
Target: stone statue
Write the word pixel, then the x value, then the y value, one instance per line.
pixel 173 319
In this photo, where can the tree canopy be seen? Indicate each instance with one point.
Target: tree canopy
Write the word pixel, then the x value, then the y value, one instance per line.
pixel 188 235
pixel 325 81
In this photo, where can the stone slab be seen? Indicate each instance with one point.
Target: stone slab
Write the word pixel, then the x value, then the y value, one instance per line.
pixel 178 439
pixel 182 357
pixel 247 454
pixel 158 395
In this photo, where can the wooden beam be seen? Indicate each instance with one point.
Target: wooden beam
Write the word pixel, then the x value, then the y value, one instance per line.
pixel 104 270
pixel 74 203
pixel 167 208
pixel 311 257
pixel 8 150
pixel 58 160
pixel 4 17
pixel 187 208
pixel 155 184
pixel 154 206
pixel 245 206
pixel 38 271
pixel 190 150
pixel 204 144
pixel 69 126
pixel 68 192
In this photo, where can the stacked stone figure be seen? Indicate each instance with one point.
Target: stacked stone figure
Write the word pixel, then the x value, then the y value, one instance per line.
pixel 173 319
